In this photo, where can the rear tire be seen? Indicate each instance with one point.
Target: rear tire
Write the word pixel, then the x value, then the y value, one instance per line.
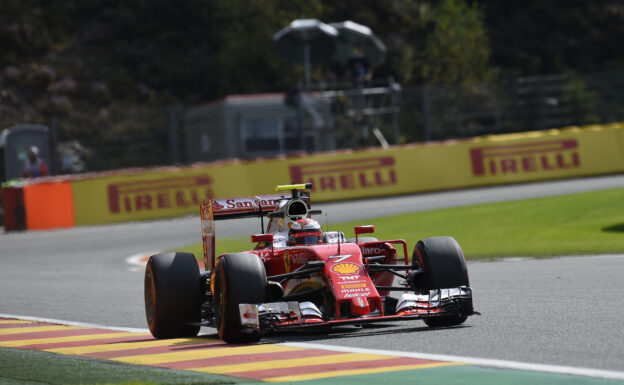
pixel 172 289
pixel 444 265
pixel 239 278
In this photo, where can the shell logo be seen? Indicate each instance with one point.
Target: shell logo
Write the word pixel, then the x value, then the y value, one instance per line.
pixel 345 268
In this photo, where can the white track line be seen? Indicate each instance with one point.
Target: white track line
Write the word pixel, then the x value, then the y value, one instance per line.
pixel 71 323
pixel 485 362
pixel 138 261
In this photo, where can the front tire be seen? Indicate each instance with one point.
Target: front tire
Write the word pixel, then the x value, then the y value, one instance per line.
pixel 239 278
pixel 444 265
pixel 172 289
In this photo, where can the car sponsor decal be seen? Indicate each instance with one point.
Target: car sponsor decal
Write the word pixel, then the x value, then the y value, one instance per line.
pixel 338 258
pixel 352 286
pixel 346 268
pixel 287 261
pixel 299 257
pixel 264 255
pixel 370 251
pixel 246 204
pixel 352 293
pixel 351 278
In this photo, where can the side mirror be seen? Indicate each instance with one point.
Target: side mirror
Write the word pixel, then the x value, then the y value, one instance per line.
pixel 267 238
pixel 363 230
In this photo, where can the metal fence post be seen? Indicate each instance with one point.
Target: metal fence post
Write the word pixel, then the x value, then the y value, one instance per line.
pixel 173 134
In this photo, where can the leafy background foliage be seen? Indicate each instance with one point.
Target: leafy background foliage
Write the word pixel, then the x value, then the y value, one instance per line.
pixel 98 66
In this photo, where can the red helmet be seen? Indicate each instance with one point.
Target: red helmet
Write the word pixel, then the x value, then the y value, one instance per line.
pixel 304 231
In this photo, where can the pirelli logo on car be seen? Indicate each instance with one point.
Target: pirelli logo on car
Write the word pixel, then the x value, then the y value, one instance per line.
pixel 351 174
pixel 158 194
pixel 525 158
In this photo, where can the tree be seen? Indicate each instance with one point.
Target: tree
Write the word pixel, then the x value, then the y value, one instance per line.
pixel 534 37
pixel 457 48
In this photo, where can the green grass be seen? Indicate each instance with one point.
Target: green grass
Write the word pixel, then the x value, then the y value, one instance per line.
pixel 18 366
pixel 585 223
pixel 222 245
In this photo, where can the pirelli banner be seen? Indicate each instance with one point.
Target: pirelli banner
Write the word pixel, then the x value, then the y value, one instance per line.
pixel 477 162
pixel 406 169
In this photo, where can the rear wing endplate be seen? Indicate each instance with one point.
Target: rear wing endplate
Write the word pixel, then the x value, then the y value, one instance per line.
pixel 208 233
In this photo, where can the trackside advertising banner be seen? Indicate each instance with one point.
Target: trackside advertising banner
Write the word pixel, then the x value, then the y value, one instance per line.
pixel 357 174
pixel 172 192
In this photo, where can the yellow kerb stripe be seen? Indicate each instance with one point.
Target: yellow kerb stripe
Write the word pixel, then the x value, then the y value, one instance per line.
pixel 292 363
pixel 14 321
pixel 128 345
pixel 29 329
pixel 94 337
pixel 352 372
pixel 196 354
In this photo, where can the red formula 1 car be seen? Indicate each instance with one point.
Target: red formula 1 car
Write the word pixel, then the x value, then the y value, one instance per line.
pixel 300 277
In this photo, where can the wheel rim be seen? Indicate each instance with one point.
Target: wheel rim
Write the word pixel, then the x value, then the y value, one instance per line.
pixel 219 304
pixel 150 295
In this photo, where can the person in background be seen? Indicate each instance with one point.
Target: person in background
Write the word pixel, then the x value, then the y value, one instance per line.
pixel 359 68
pixel 34 167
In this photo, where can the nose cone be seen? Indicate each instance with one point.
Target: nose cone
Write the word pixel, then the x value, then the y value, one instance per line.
pixel 360 306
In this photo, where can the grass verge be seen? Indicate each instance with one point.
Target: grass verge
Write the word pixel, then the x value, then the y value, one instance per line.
pixel 584 223
pixel 21 367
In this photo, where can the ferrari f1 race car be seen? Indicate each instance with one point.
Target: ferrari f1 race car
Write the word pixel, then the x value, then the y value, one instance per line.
pixel 298 276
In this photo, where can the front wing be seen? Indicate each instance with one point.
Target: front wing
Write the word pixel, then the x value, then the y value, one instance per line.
pixel 296 315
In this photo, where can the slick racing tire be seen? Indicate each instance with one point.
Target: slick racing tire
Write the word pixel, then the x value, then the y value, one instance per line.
pixel 172 290
pixel 239 278
pixel 442 260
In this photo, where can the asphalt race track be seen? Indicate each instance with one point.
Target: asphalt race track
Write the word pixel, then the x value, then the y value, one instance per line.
pixel 560 311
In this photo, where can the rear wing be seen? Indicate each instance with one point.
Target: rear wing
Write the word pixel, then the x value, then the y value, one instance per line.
pixel 229 208
pixel 244 207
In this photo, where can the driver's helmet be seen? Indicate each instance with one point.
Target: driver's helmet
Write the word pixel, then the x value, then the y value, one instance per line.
pixel 304 231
